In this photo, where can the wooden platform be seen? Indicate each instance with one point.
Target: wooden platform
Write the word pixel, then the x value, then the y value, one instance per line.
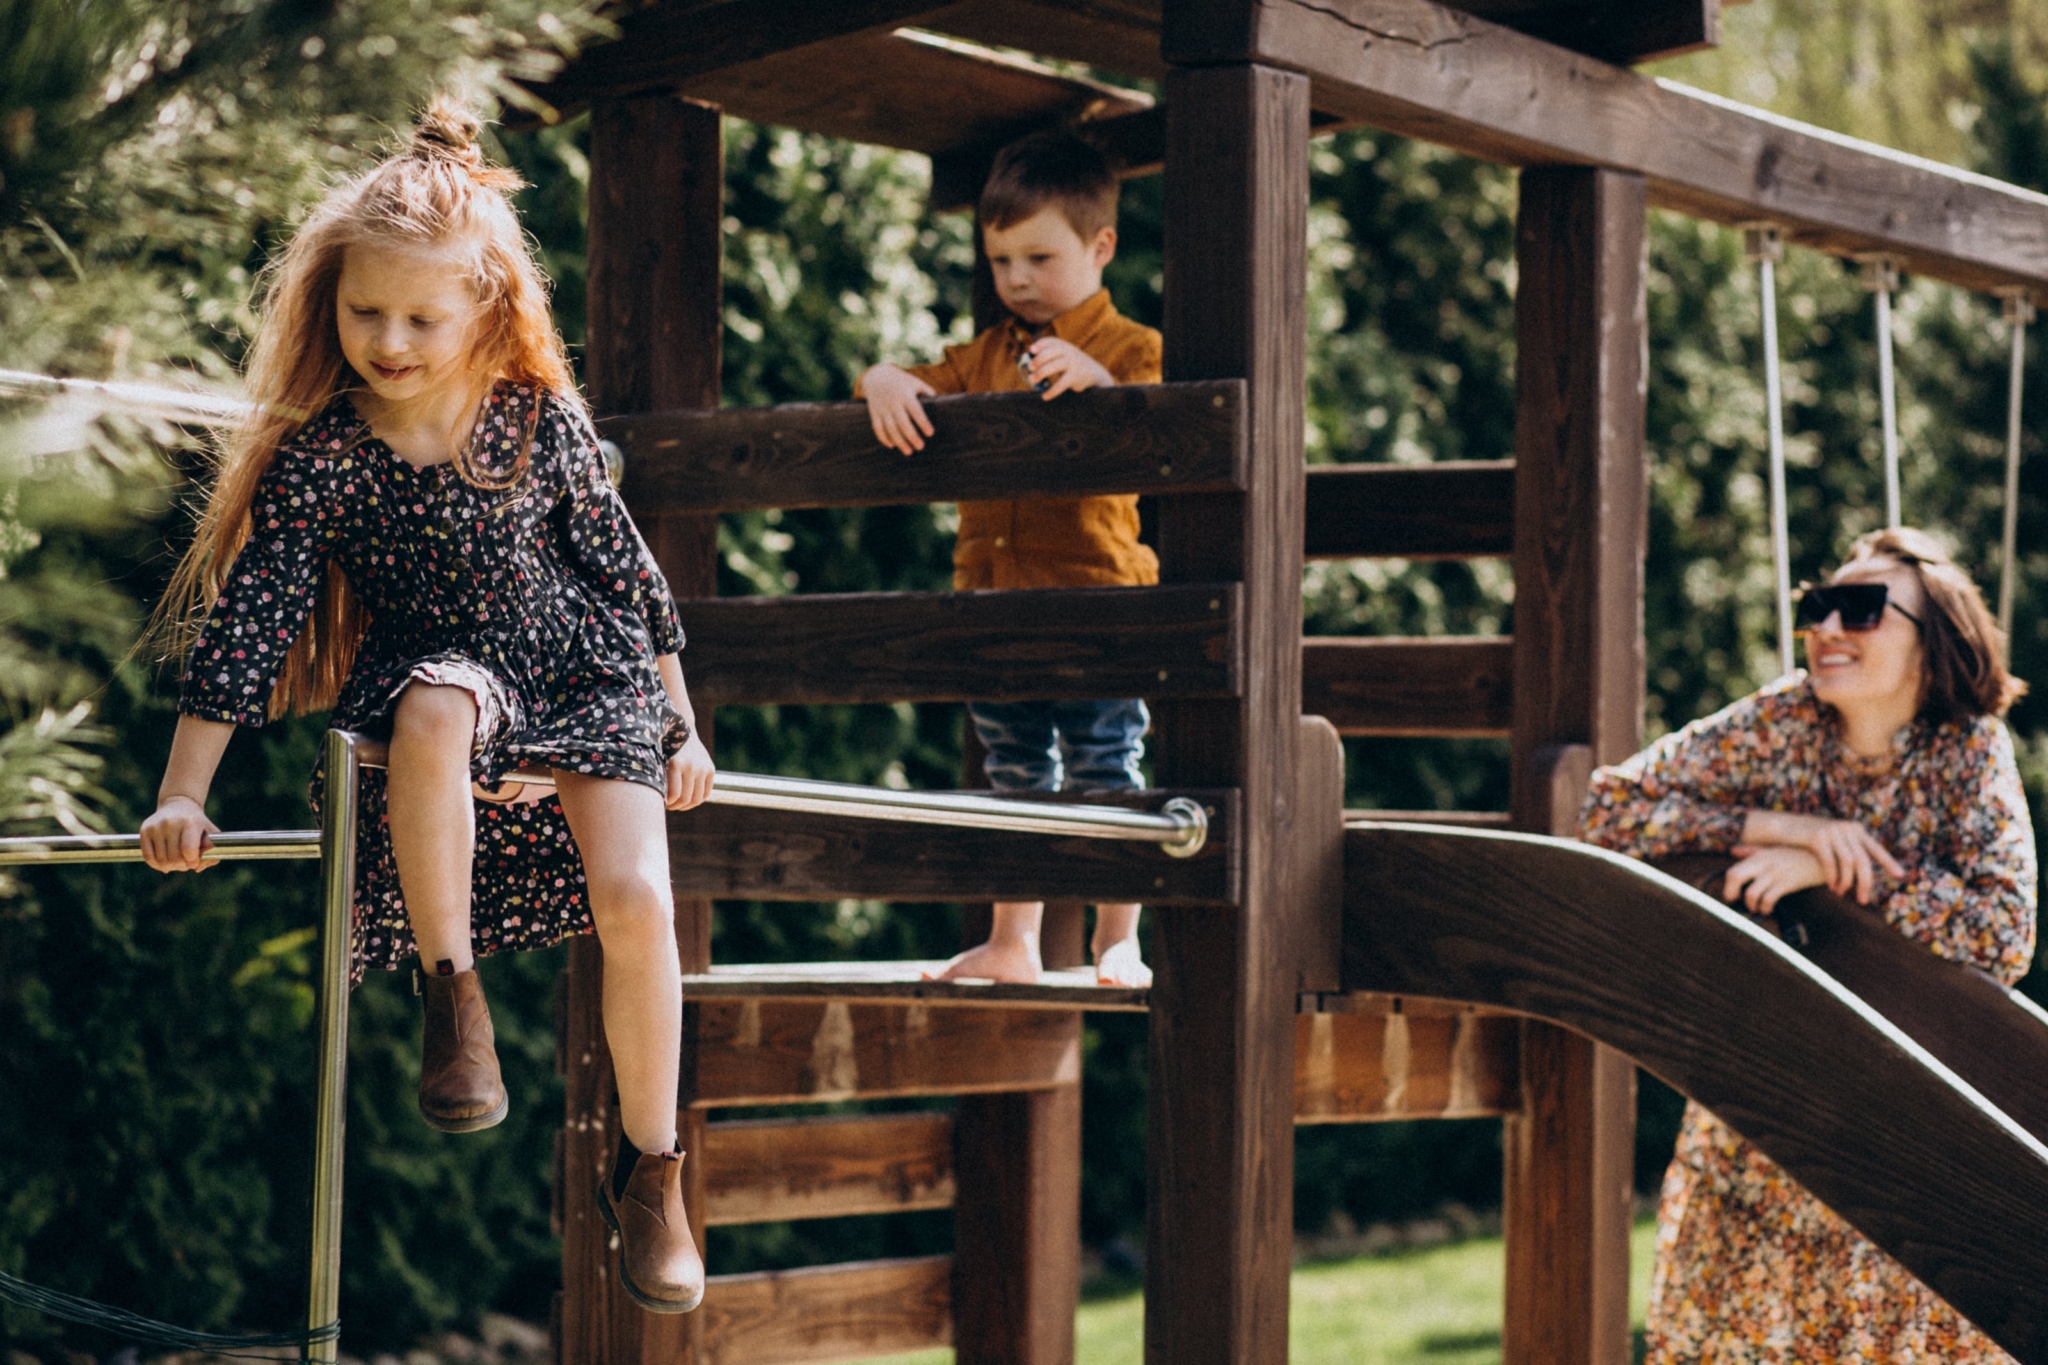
pixel 903 982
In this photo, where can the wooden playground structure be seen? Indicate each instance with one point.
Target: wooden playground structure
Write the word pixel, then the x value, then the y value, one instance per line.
pixel 1312 967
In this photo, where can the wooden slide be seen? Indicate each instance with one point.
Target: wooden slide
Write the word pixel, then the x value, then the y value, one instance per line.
pixel 1908 1093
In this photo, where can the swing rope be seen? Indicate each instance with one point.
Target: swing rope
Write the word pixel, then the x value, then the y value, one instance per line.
pixel 2019 311
pixel 1765 245
pixel 1881 278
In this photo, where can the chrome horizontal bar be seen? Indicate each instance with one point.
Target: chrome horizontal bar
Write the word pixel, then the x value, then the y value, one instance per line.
pixel 242 846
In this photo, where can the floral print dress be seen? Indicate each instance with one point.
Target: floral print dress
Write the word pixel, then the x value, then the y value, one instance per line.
pixel 539 599
pixel 1750 1267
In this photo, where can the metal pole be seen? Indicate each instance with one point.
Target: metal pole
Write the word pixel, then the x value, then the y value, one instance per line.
pixel 244 846
pixel 1881 277
pixel 338 893
pixel 1766 247
pixel 2019 311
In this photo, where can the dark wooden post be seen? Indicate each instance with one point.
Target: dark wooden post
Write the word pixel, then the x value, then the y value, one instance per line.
pixel 656 214
pixel 1580 509
pixel 1221 1136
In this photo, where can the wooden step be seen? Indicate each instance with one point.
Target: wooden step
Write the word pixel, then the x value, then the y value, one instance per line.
pixel 1137 438
pixel 836 1166
pixel 1456 686
pixel 828 1313
pixel 1066 644
pixel 1373 1059
pixel 1454 509
pixel 1070 988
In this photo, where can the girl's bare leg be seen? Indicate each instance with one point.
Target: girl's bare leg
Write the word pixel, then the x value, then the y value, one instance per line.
pixel 622 829
pixel 1118 962
pixel 1012 951
pixel 433 823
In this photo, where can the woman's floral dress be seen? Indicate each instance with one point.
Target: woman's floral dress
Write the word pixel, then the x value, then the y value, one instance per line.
pixel 540 599
pixel 1750 1267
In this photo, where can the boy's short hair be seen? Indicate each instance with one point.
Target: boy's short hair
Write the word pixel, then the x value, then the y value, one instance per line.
pixel 1050 168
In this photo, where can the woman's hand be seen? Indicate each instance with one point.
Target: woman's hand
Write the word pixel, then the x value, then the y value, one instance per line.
pixel 174 839
pixel 1848 853
pixel 689 775
pixel 1057 367
pixel 1765 875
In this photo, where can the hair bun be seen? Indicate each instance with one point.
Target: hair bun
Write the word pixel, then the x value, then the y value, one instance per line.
pixel 448 130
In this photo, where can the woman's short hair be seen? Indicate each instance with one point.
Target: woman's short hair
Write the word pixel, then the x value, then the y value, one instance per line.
pixel 1965 649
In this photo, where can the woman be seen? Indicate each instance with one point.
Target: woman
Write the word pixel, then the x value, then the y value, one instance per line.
pixel 1884 774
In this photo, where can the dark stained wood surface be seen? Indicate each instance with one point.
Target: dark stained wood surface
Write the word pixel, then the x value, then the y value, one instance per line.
pixel 750 1052
pixel 1068 988
pixel 1424 1061
pixel 1977 1028
pixel 1056 643
pixel 1455 509
pixel 836 1166
pixel 1017 1227
pixel 1621 31
pixel 1220 1133
pixel 1724 1012
pixel 1402 685
pixel 1115 35
pixel 1427 71
pixel 1135 438
pixel 828 1313
pixel 1319 857
pixel 1464 819
pixel 741 852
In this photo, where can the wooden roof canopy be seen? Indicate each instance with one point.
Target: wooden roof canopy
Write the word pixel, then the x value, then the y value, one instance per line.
pixel 1522 82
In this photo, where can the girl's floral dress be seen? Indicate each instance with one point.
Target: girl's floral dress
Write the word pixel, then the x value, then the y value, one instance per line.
pixel 539 599
pixel 1750 1267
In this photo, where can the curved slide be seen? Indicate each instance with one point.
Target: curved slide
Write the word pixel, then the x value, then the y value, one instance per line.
pixel 1918 1110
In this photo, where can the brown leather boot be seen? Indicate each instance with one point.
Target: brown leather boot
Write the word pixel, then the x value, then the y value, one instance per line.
pixel 658 1260
pixel 460 1090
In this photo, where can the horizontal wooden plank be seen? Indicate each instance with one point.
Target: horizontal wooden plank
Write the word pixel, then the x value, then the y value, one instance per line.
pixel 749 1052
pixel 1920 1162
pixel 1112 35
pixel 1134 438
pixel 828 1313
pixel 737 852
pixel 1423 1063
pixel 1424 70
pixel 1405 685
pixel 1071 988
pixel 1066 644
pixel 769 1170
pixel 1463 819
pixel 1456 509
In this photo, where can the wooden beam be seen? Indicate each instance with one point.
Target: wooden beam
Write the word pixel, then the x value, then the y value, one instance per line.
pixel 1413 1060
pixel 739 852
pixel 1135 438
pixel 828 1313
pixel 1113 35
pixel 871 983
pixel 657 178
pixel 1410 685
pixel 1456 509
pixel 1920 1163
pixel 1581 507
pixel 1017 1220
pixel 1055 643
pixel 769 1170
pixel 1424 70
pixel 1220 1135
pixel 1624 32
pixel 750 1052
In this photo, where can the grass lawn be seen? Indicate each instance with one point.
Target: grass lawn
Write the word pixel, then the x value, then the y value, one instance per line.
pixel 1434 1307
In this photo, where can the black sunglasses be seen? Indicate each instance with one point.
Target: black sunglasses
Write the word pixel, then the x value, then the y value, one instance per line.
pixel 1861 606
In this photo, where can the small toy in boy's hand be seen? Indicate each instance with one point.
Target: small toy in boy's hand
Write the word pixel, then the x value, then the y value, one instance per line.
pixel 1024 366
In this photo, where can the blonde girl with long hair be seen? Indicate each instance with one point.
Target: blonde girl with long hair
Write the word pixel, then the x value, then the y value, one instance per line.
pixel 416 531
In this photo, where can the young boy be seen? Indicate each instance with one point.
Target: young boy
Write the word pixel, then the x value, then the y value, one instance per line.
pixel 1048 226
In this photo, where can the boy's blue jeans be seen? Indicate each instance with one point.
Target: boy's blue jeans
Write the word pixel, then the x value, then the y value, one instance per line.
pixel 1034 745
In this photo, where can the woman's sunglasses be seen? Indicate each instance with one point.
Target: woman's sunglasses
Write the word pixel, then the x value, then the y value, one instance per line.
pixel 1861 606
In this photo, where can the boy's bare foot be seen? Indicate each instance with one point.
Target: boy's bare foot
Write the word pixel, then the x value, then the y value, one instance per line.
pixel 1013 963
pixel 1121 964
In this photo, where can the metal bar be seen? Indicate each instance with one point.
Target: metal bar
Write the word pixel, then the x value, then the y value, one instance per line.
pixel 244 846
pixel 147 400
pixel 2019 311
pixel 1766 247
pixel 338 894
pixel 1881 277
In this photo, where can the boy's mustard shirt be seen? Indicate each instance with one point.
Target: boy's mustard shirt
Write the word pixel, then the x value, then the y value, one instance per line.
pixel 1050 542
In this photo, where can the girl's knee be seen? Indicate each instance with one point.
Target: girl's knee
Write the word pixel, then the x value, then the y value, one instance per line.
pixel 431 713
pixel 629 907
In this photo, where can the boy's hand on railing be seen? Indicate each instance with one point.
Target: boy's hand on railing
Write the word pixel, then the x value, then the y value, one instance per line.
pixel 894 409
pixel 174 839
pixel 1055 367
pixel 690 774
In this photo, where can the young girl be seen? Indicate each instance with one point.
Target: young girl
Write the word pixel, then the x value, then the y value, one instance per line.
pixel 422 485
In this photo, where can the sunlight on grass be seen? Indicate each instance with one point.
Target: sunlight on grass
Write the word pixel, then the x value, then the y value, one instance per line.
pixel 1436 1307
